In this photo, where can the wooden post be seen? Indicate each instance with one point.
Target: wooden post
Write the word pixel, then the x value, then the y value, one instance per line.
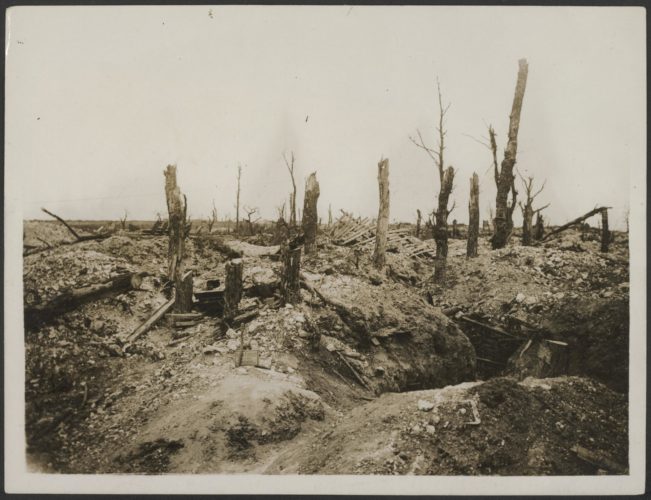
pixel 605 232
pixel 418 221
pixel 473 217
pixel 329 215
pixel 310 217
pixel 177 211
pixel 505 179
pixel 233 289
pixel 290 276
pixel 455 230
pixel 379 257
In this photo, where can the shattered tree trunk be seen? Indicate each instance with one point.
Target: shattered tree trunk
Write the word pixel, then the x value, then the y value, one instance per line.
pixel 441 227
pixel 504 213
pixel 310 216
pixel 379 255
pixel 177 211
pixel 539 229
pixel 290 282
pixel 418 221
pixel 527 224
pixel 455 229
pixel 232 290
pixel 184 291
pixel 473 217
pixel 605 232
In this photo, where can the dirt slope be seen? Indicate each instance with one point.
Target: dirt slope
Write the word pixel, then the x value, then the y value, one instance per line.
pixel 525 428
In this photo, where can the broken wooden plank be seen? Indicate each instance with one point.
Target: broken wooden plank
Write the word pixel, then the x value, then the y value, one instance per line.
pixel 599 459
pixel 488 327
pixel 353 371
pixel 184 316
pixel 146 326
pixel 185 324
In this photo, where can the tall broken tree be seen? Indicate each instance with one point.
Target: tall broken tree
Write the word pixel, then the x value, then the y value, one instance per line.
pixel 473 217
pixel 528 211
pixel 418 222
pixel 446 179
pixel 310 216
pixel 379 257
pixel 177 211
pixel 504 178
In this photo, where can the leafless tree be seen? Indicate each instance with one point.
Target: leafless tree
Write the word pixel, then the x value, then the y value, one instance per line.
pixel 446 179
pixel 213 217
pixel 527 209
pixel 504 178
pixel 123 220
pixel 292 196
pixel 250 212
pixel 237 203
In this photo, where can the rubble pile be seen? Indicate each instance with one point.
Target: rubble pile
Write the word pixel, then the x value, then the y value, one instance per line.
pixel 580 427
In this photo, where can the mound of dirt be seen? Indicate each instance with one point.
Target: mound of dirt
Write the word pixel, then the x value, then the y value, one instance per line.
pixel 405 342
pixel 567 425
pixel 230 427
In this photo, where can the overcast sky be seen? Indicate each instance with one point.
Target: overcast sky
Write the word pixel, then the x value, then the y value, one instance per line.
pixel 101 99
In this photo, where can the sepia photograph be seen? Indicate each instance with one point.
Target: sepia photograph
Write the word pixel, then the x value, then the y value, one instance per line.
pixel 325 249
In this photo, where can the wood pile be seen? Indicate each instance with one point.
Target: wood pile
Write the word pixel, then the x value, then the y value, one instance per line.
pixel 360 233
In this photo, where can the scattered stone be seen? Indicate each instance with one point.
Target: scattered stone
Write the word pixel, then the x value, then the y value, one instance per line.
pixel 424 405
pixel 519 298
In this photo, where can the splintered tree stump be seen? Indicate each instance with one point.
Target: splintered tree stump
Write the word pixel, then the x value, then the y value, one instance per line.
pixel 539 228
pixel 177 211
pixel 505 180
pixel 290 284
pixel 441 226
pixel 310 216
pixel 605 232
pixel 233 289
pixel 379 255
pixel 418 222
pixel 184 290
pixel 473 220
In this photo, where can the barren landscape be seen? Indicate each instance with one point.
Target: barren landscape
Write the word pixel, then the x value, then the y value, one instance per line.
pixel 379 373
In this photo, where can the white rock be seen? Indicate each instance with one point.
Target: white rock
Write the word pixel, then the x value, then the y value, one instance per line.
pixel 520 297
pixel 424 405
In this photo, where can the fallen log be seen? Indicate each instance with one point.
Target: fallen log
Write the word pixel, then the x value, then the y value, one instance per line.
pixel 146 326
pixel 75 297
pixel 574 222
pixel 74 233
pixel 245 318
